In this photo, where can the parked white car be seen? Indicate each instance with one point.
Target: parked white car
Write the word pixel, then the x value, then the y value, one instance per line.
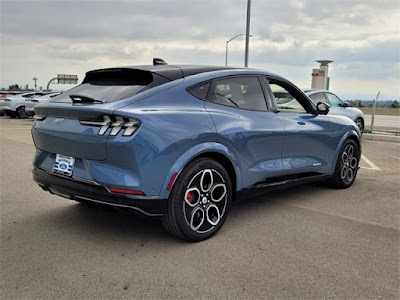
pixel 338 106
pixel 30 103
pixel 14 106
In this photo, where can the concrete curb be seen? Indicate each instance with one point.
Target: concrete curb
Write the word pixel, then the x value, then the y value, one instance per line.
pixel 381 137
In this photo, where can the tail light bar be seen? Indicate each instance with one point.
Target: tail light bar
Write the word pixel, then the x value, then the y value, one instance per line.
pixel 116 123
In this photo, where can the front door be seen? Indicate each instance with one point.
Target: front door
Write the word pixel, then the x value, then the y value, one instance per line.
pixel 308 141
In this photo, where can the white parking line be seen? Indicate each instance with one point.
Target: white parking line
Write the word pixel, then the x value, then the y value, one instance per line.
pixel 371 164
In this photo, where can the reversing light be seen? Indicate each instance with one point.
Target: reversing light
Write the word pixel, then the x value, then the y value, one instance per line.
pixel 125 191
pixel 117 123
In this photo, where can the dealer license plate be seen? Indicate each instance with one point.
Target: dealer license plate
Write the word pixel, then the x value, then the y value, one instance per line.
pixel 64 164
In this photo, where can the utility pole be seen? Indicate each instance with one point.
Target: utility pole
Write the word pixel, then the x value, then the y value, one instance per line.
pixel 373 111
pixel 246 56
pixel 35 79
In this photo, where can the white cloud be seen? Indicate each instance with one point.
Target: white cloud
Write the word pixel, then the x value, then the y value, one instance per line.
pixel 44 38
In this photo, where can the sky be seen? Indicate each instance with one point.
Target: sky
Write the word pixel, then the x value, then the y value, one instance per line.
pixel 44 38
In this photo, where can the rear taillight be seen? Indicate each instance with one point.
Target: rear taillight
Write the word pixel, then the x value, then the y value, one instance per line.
pixel 115 123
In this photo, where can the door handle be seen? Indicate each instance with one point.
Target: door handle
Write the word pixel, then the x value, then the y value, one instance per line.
pixel 301 123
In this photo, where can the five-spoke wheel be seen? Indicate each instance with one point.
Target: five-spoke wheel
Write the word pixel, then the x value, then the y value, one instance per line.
pixel 205 200
pixel 349 163
pixel 360 125
pixel 200 200
pixel 346 165
pixel 21 113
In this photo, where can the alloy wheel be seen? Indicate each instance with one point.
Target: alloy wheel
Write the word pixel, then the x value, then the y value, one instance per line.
pixel 360 125
pixel 22 114
pixel 349 164
pixel 205 200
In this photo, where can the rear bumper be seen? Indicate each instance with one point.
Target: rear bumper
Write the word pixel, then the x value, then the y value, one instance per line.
pixel 5 109
pixel 84 190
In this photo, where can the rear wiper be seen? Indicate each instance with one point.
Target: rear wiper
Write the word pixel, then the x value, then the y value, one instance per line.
pixel 83 99
pixel 227 98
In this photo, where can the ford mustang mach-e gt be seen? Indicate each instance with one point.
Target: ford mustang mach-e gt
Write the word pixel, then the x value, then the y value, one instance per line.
pixel 182 142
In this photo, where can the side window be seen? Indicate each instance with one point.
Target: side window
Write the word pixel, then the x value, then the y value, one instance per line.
pixel 286 98
pixel 200 91
pixel 333 100
pixel 319 97
pixel 241 92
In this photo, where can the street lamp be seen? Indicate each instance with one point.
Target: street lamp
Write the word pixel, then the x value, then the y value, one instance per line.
pixel 35 79
pixel 246 53
pixel 226 52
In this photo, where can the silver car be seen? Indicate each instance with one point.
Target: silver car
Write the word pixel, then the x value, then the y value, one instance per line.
pixel 338 107
pixel 14 106
pixel 30 103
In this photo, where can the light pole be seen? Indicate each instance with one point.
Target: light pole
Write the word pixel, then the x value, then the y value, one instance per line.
pixel 246 55
pixel 35 79
pixel 226 52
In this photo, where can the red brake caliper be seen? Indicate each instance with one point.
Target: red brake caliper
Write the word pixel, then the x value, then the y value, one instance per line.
pixel 189 197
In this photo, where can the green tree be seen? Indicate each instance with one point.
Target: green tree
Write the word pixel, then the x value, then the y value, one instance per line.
pixel 14 87
pixel 394 104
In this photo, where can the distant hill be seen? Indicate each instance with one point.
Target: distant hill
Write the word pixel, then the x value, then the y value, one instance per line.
pixel 368 103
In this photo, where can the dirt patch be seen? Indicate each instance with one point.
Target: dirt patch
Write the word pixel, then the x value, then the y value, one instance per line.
pixel 381 111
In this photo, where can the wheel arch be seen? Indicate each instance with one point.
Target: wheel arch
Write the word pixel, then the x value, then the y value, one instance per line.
pixel 226 163
pixel 216 151
pixel 361 118
pixel 19 105
pixel 351 134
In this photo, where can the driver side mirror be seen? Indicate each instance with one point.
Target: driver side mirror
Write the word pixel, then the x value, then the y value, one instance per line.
pixel 345 104
pixel 323 108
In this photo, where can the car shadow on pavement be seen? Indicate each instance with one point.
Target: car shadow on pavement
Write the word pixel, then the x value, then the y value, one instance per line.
pixel 104 223
pixel 126 227
pixel 248 204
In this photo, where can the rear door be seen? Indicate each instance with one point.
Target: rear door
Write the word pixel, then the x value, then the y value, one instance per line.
pixel 308 145
pixel 244 122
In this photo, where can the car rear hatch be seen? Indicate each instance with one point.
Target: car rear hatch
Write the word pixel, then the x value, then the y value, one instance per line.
pixel 78 122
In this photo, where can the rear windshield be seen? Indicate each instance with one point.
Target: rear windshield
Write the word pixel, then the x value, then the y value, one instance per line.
pixel 112 85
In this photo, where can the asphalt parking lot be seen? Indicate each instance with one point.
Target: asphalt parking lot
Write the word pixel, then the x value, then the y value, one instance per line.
pixel 308 242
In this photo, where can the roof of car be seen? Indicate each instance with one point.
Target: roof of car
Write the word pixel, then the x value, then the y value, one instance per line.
pixel 170 72
pixel 314 91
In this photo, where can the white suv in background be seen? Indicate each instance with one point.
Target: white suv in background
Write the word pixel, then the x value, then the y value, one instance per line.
pixel 30 103
pixel 14 106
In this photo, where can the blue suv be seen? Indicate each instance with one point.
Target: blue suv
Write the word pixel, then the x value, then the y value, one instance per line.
pixel 183 142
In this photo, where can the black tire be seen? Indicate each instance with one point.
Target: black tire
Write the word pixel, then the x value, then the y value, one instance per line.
pixel 346 166
pixel 21 113
pixel 199 202
pixel 360 125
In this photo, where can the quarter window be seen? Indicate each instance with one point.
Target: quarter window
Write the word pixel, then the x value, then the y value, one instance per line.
pixel 200 91
pixel 240 92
